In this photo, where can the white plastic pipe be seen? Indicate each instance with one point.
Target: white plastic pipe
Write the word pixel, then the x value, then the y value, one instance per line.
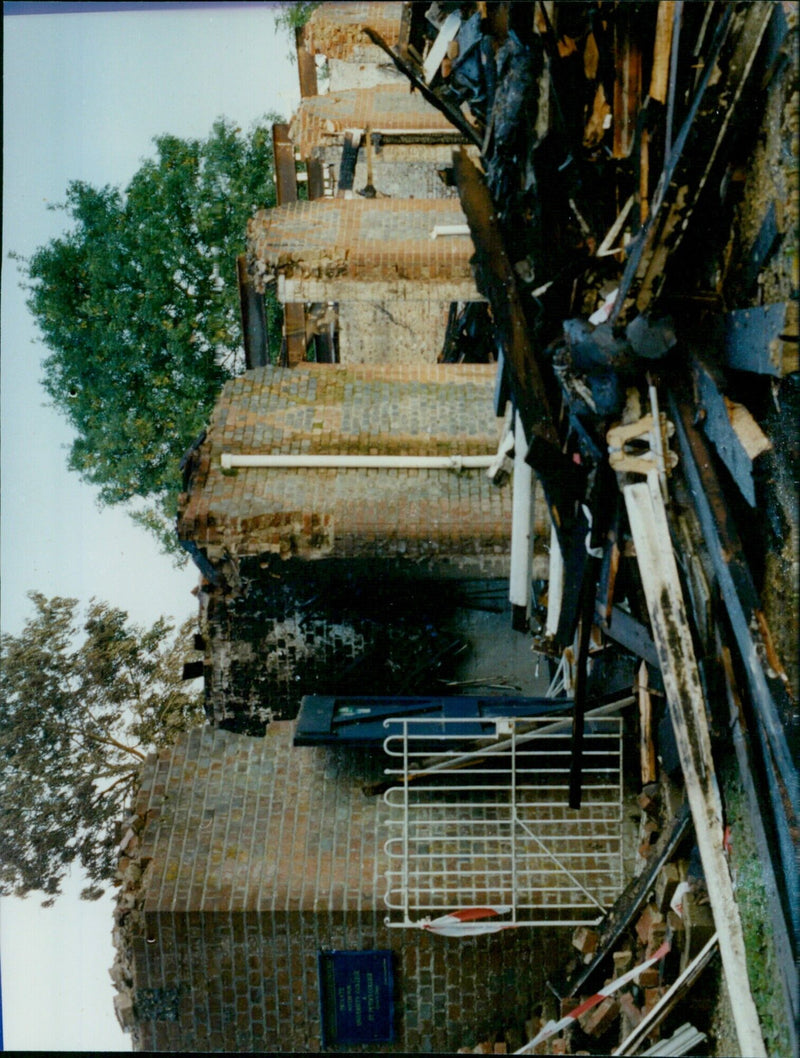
pixel 519 588
pixel 555 587
pixel 455 462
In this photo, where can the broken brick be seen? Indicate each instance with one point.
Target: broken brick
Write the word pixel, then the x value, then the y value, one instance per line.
pixel 630 1009
pixel 585 940
pixel 648 918
pixel 568 1004
pixel 600 1018
pixel 649 978
pixel 667 882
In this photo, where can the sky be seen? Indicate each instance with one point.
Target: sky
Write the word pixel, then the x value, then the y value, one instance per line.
pixel 83 96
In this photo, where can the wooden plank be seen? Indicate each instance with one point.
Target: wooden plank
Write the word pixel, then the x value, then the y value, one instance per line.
pixel 687 709
pixel 659 76
pixel 627 82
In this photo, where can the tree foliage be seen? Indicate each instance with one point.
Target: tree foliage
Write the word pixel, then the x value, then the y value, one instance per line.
pixel 76 720
pixel 138 304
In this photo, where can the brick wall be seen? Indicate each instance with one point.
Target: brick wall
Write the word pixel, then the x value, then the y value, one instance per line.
pixel 367 240
pixel 322 119
pixel 335 30
pixel 255 855
pixel 374 332
pixel 337 627
pixel 439 517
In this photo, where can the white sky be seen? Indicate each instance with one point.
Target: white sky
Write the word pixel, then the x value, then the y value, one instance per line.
pixel 83 95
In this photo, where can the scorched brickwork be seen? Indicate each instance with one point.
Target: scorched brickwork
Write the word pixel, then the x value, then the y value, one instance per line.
pixel 253 855
pixel 453 518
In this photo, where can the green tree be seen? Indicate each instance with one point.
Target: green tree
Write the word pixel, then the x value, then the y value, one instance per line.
pixel 77 718
pixel 138 304
pixel 295 14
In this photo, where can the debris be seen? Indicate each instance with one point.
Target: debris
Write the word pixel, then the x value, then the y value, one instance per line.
pixel 670 998
pixel 688 714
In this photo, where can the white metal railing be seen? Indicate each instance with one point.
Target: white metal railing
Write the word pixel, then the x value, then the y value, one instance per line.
pixel 479 817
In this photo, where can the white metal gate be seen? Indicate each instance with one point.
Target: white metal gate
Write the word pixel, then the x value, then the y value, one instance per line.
pixel 480 818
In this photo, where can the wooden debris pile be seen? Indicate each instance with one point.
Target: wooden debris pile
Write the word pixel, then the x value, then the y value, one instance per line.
pixel 638 254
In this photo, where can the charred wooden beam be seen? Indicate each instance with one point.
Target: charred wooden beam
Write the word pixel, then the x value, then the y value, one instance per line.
pixel 763 671
pixel 758 255
pixel 749 774
pixel 696 149
pixel 496 281
pixel 630 634
pixel 687 711
pixel 562 480
pixel 452 113
pixel 253 316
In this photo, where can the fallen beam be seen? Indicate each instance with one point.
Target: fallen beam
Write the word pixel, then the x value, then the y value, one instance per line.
pixel 763 671
pixel 687 709
pixel 452 113
pixel 497 282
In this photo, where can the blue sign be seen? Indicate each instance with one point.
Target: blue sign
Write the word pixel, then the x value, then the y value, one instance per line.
pixel 356 997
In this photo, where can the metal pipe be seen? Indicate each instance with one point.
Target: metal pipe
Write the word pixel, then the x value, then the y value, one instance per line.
pixel 519 588
pixel 229 460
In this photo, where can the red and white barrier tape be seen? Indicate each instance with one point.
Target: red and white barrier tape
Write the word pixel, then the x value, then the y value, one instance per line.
pixel 552 1027
pixel 470 922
